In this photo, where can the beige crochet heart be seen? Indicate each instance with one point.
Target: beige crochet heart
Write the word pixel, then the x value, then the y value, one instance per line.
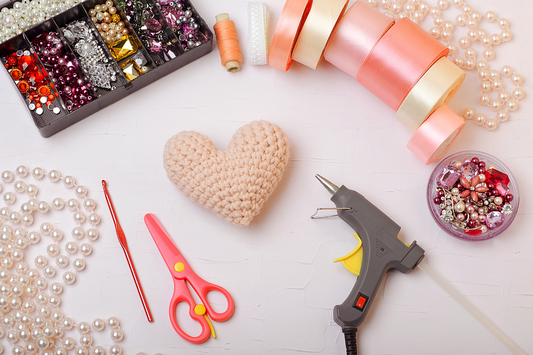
pixel 236 183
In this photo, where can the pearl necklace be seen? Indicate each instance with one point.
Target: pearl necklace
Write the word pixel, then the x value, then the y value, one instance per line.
pixel 29 313
pixel 491 79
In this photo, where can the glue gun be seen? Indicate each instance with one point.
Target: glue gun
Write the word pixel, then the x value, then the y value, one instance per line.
pixel 378 251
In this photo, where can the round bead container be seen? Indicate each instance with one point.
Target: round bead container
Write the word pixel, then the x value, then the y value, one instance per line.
pixel 472 196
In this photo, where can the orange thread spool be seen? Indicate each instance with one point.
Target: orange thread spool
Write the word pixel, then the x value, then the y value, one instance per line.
pixel 228 43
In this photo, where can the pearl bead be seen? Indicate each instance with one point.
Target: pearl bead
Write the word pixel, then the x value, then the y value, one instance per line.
pixel 58 204
pixel 86 249
pixel 460 20
pixel 488 54
pixel 67 323
pixel 115 350
pixel 81 191
pixel 495 105
pixel 79 264
pixel 38 173
pixel 518 93
pixel 49 271
pixel 73 204
pixel 83 328
pixel 480 119
pixel 41 283
pixel 52 249
pixel 506 36
pixel 69 181
pixel 82 351
pixel 89 204
pixel 46 228
pixel 78 233
pixel 20 186
pixel 42 207
pixel 56 288
pixel 94 219
pixel 117 335
pixel 41 261
pixel 92 234
pixel 503 96
pixel 516 79
pixel 512 105
pixel 21 171
pixel 484 99
pixel 56 235
pixel 61 261
pixel 113 323
pixel 54 176
pixel 491 124
pixel 69 277
pixel 468 114
pixel 79 217
pixel 9 198
pixel 98 324
pixel 86 340
pixel 32 190
pixel 7 176
pixel 98 350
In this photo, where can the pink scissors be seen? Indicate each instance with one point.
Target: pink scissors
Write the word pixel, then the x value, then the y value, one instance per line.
pixel 182 272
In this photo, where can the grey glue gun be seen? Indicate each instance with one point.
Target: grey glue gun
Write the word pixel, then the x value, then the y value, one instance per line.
pixel 381 251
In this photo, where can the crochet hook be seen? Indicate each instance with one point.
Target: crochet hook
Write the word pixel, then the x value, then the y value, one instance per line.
pixel 122 240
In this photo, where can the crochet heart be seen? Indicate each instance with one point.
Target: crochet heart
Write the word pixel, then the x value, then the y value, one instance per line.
pixel 236 183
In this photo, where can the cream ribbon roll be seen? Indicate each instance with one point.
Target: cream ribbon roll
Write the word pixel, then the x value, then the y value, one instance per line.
pixel 316 31
pixel 289 25
pixel 436 88
pixel 257 33
pixel 355 35
pixel 436 134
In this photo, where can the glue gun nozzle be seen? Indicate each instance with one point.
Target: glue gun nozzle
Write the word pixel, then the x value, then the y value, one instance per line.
pixel 331 187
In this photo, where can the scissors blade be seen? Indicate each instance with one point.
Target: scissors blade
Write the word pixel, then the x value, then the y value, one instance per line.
pixel 166 246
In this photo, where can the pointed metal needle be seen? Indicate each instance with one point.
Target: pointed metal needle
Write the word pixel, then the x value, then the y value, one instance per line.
pixel 331 187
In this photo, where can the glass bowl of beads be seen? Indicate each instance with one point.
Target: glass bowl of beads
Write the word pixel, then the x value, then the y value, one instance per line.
pixel 472 196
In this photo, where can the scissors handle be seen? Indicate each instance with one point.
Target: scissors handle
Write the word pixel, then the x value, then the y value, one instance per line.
pixel 198 312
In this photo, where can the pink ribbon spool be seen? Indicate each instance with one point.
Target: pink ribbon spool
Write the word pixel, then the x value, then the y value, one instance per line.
pixel 355 35
pixel 436 134
pixel 398 61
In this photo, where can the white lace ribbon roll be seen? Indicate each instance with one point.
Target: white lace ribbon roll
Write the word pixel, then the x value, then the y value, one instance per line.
pixel 258 33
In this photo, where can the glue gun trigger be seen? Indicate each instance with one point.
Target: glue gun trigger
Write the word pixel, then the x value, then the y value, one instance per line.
pixel 352 262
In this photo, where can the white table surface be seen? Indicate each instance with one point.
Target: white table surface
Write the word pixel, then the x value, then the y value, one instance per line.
pixel 280 269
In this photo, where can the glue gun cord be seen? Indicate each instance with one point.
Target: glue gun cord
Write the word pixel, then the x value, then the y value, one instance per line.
pixel 350 338
pixel 484 321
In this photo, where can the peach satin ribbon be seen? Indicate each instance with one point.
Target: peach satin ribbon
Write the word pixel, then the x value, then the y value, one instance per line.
pixel 398 61
pixel 354 37
pixel 292 18
pixel 436 134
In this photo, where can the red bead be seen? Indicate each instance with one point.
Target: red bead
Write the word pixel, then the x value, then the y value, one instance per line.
pixel 473 232
pixel 23 86
pixel 481 164
pixel 38 105
pixel 509 197
pixel 51 97
pixel 16 74
pixel 475 160
pixel 436 200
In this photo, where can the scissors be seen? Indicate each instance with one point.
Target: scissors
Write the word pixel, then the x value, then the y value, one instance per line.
pixel 182 272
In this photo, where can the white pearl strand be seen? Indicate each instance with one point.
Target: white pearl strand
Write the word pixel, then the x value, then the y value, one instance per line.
pixel 25 14
pixel 28 313
pixel 491 80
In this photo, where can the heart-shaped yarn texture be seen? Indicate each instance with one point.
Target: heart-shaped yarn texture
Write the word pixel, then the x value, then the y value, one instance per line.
pixel 235 183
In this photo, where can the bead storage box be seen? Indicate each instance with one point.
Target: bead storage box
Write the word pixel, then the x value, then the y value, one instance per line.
pixel 69 66
pixel 472 196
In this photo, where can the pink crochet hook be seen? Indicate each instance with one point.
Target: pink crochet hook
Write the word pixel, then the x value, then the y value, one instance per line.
pixel 122 240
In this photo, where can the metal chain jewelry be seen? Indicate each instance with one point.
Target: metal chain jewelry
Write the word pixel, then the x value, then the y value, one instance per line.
pixel 30 317
pixel 491 79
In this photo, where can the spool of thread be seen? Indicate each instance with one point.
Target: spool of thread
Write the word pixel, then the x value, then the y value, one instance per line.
pixel 228 43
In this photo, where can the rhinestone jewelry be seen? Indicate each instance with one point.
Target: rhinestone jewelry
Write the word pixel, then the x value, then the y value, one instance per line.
pixel 63 70
pixel 91 56
pixel 183 22
pixel 30 296
pixel 492 80
pixel 472 196
pixel 31 81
